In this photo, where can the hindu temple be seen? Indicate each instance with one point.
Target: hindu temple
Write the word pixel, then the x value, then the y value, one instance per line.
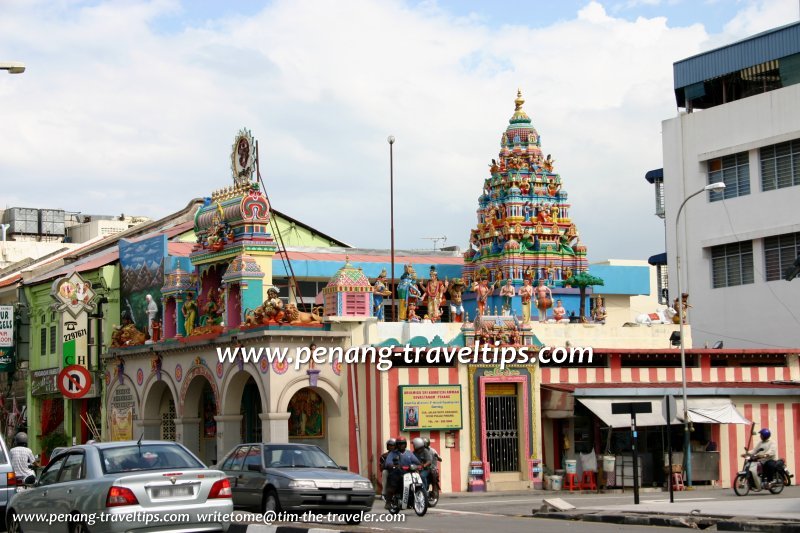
pixel 524 229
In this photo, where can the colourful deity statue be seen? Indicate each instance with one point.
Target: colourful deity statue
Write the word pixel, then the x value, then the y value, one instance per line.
pixel 380 291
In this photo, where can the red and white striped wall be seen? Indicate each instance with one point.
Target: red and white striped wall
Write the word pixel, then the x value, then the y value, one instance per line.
pixel 626 376
pixel 378 420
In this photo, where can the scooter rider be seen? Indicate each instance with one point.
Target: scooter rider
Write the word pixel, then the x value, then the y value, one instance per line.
pixel 766 452
pixel 395 461
pixel 425 458
pixel 22 457
pixel 390 447
pixel 435 460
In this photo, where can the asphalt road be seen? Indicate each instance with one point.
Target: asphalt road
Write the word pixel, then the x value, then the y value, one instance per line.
pixel 511 512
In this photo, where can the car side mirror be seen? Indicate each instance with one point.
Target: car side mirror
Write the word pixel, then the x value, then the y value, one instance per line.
pixel 254 468
pixel 342 467
pixel 29 481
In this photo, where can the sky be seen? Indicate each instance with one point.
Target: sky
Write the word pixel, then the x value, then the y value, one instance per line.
pixel 133 106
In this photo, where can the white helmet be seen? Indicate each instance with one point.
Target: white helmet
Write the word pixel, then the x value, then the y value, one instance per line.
pixel 418 443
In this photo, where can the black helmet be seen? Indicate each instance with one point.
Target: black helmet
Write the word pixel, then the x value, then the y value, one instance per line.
pixel 391 443
pixel 427 442
pixel 21 439
pixel 401 443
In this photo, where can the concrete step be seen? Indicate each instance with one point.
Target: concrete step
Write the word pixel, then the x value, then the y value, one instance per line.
pixel 498 486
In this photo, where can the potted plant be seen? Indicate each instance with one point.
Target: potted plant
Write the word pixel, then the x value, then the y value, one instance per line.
pixel 52 441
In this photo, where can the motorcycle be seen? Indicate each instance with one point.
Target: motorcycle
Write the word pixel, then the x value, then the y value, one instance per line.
pixel 27 482
pixel 750 477
pixel 413 495
pixel 433 488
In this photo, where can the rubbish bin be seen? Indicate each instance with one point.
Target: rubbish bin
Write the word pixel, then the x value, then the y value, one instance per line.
pixel 555 482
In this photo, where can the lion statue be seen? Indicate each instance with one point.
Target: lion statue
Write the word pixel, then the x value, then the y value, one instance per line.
pixel 293 315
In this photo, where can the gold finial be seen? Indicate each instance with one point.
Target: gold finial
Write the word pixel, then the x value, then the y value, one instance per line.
pixel 519 101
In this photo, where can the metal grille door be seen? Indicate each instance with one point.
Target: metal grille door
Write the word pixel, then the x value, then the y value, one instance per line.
pixel 502 436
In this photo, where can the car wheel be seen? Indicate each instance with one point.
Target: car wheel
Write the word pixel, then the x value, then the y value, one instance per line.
pixel 13 524
pixel 271 502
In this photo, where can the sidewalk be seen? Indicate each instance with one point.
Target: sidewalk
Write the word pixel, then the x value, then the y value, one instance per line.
pixel 759 512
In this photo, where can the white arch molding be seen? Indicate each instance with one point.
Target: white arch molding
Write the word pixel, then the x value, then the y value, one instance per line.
pixel 153 381
pixel 233 383
pixel 324 385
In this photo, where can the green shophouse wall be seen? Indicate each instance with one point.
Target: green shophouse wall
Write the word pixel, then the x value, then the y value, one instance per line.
pixel 40 307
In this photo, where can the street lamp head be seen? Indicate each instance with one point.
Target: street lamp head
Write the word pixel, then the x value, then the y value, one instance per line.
pixel 391 139
pixel 715 187
pixel 13 67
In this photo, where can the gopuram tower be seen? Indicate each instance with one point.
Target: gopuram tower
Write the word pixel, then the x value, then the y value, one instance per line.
pixel 524 229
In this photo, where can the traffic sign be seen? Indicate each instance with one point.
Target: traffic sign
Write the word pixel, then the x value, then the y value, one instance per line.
pixel 74 381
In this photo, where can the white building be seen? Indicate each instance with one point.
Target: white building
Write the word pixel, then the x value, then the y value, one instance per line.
pixel 738 122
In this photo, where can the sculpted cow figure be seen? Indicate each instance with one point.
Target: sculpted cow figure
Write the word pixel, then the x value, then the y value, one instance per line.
pixel 663 316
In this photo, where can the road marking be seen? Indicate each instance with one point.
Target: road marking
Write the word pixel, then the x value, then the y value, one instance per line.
pixel 530 500
pixel 677 500
pixel 411 528
pixel 453 511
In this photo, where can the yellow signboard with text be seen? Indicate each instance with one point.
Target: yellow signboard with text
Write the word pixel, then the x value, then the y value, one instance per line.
pixel 430 407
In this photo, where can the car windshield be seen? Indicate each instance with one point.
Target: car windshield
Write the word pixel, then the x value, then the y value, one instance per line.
pixel 134 458
pixel 297 457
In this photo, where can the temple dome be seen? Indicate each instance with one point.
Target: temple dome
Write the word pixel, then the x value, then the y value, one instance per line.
pixel 520 131
pixel 242 266
pixel 349 279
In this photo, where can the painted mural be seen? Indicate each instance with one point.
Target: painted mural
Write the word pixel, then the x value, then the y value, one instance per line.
pixel 306 415
pixel 142 274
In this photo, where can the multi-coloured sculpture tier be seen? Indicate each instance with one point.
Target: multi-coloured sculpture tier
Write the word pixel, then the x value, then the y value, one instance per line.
pixel 524 229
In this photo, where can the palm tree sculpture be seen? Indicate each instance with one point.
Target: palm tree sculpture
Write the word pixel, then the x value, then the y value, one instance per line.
pixel 581 281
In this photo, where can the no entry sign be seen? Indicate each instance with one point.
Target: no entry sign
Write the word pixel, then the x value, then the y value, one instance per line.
pixel 74 381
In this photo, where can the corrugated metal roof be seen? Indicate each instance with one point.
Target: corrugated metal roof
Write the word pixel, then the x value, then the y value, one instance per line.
pixel 754 50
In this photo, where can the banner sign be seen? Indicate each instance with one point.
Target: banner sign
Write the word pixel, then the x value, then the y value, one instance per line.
pixel 74 296
pixel 430 407
pixel 122 424
pixel 6 326
pixel 44 381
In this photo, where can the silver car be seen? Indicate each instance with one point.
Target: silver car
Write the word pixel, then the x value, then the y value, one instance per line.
pixel 123 486
pixel 294 478
pixel 8 483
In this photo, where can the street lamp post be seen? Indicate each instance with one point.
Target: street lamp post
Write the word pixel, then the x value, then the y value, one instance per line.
pixel 391 220
pixel 687 451
pixel 13 67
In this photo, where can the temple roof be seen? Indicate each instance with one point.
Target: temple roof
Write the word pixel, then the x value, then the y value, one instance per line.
pixel 348 278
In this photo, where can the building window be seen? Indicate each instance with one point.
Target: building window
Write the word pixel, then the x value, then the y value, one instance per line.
pixel 52 339
pixel 734 170
pixel 43 340
pixel 732 264
pixel 780 253
pixel 780 165
pixel 663 284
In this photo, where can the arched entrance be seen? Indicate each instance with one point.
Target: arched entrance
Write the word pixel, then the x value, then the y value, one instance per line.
pixel 308 418
pixel 198 419
pixel 251 412
pixel 159 412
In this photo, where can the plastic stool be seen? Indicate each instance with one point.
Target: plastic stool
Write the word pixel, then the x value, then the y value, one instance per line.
pixel 677 481
pixel 588 481
pixel 572 482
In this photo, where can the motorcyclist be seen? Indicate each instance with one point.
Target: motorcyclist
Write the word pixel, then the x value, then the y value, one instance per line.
pixel 766 452
pixel 395 461
pixel 435 460
pixel 425 459
pixel 390 447
pixel 22 457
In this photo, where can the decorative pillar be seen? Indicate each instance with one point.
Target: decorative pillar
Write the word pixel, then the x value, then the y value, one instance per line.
pixel 275 427
pixel 187 432
pixel 229 433
pixel 149 427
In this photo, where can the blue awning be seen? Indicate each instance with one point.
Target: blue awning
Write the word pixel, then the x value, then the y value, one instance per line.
pixel 658 259
pixel 655 175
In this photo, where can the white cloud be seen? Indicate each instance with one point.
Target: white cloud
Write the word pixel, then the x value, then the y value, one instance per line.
pixel 116 116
